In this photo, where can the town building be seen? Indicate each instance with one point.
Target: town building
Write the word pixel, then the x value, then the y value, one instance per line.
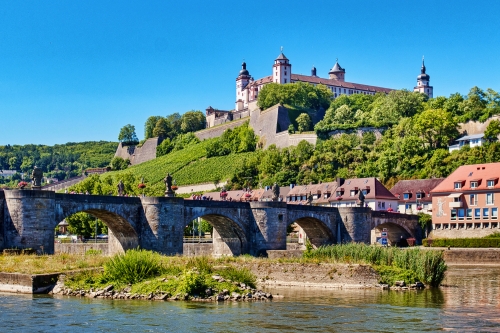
pixel 475 140
pixel 465 204
pixel 414 196
pixel 345 193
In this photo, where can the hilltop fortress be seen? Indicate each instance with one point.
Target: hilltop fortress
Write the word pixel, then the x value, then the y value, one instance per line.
pixel 272 124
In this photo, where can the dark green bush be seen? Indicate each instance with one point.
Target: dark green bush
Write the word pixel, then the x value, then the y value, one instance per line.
pixel 462 242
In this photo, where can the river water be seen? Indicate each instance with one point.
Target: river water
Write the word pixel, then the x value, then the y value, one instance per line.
pixel 469 302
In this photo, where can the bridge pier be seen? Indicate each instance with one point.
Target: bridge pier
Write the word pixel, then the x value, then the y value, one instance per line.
pixel 162 225
pixel 271 220
pixel 29 220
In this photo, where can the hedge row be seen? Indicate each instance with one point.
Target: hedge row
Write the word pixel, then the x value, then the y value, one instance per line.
pixel 462 242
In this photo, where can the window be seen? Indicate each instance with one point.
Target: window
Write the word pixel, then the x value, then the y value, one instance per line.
pixel 477 213
pixel 285 79
pixel 364 192
pixel 339 193
pixel 461 214
pixel 408 206
pixel 490 183
pixel 304 197
pixel 420 195
pixel 458 185
pixel 473 184
pixel 489 198
pixel 406 196
pixel 453 214
pixel 383 204
pixel 473 200
pixel 353 193
pixel 486 213
pixel 494 213
pixel 469 214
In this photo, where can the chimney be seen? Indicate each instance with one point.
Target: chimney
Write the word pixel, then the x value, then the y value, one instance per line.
pixel 313 71
pixel 292 186
pixel 340 181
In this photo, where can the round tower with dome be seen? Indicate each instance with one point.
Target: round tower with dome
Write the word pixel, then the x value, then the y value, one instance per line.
pixel 423 80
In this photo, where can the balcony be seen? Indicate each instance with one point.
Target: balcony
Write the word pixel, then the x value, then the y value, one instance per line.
pixel 456 204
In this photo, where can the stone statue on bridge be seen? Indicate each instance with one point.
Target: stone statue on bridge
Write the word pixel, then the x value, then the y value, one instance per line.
pixel 36 178
pixel 121 188
pixel 168 184
pixel 310 199
pixel 276 192
pixel 361 199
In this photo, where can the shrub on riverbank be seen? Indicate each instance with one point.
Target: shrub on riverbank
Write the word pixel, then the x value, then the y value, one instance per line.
pixel 148 272
pixel 463 242
pixel 391 263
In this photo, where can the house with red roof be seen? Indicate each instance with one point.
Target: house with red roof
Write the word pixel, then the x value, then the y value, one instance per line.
pixel 414 196
pixel 465 204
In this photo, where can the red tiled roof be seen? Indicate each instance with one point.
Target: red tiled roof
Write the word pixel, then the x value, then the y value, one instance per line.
pixel 377 190
pixel 336 83
pixel 414 186
pixel 466 173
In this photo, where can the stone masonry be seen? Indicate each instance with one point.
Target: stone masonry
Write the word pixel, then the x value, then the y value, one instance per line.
pixel 28 219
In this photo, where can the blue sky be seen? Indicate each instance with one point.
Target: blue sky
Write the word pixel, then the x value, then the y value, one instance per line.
pixel 75 71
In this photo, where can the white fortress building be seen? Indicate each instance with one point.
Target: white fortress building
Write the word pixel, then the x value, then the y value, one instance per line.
pixel 247 88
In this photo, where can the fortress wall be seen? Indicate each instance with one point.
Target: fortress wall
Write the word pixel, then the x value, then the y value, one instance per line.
pixel 378 131
pixel 138 155
pixel 294 139
pixel 214 132
pixel 475 127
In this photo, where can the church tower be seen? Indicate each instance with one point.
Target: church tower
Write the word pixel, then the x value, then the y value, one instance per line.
pixel 337 72
pixel 241 83
pixel 282 70
pixel 423 82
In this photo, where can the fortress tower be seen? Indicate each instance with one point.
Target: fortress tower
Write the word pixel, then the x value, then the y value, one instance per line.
pixel 337 72
pixel 241 83
pixel 282 69
pixel 423 82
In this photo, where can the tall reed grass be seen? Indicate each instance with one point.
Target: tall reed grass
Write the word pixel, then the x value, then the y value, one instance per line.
pixel 428 266
pixel 133 266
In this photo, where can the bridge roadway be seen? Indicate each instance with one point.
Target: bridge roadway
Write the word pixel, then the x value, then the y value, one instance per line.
pixel 28 219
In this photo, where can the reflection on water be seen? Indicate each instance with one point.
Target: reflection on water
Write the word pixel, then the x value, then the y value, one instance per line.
pixel 469 302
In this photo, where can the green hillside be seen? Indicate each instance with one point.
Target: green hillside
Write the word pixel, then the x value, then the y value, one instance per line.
pixel 187 166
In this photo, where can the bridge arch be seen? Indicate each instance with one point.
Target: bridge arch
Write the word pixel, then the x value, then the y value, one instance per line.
pixel 395 232
pixel 316 231
pixel 120 219
pixel 229 237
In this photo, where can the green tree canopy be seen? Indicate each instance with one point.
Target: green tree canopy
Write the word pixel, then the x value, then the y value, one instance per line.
pixel 303 122
pixel 149 126
pixel 298 94
pixel 161 128
pixel 192 121
pixel 127 134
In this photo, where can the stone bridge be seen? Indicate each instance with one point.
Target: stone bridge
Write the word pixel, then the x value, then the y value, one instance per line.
pixel 28 220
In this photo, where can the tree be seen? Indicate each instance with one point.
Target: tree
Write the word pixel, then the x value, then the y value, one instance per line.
pixel 492 131
pixel 118 163
pixel 298 94
pixel 161 128
pixel 83 224
pixel 437 126
pixel 192 121
pixel 127 134
pixel 303 122
pixel 149 126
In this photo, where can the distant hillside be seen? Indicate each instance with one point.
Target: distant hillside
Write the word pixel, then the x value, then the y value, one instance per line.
pixel 58 161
